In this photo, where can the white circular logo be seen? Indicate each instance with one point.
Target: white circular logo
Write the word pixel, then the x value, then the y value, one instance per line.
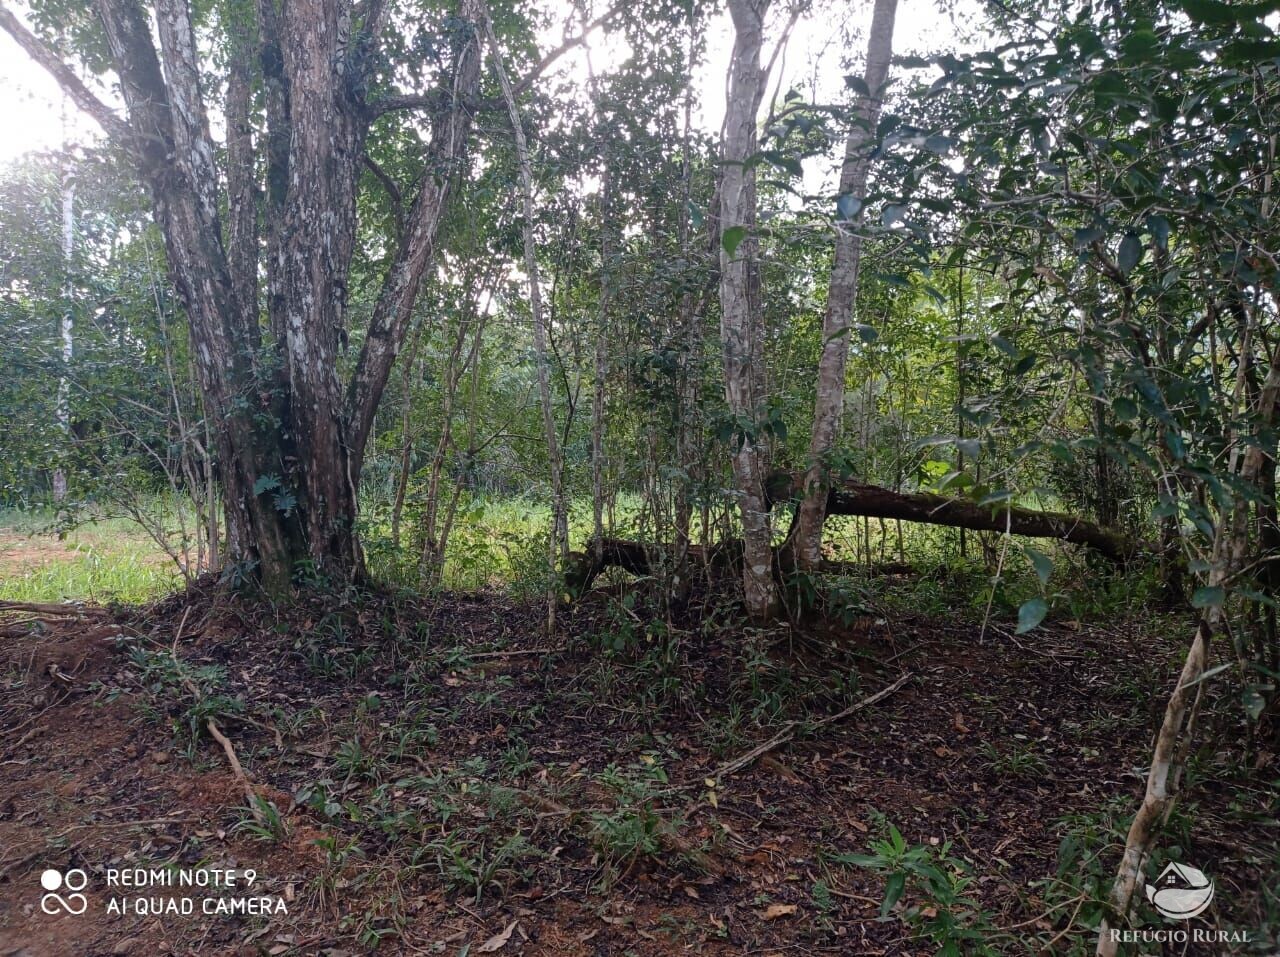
pixel 73 880
pixel 1181 892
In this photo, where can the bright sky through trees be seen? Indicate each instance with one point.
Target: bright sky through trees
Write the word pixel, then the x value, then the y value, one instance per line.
pixel 32 115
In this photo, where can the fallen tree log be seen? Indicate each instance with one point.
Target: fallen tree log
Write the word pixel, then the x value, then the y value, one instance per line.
pixel 863 500
pixel 641 558
pixel 874 501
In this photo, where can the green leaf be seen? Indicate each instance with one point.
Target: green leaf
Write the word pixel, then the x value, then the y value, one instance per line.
pixel 893 214
pixel 942 145
pixel 1125 409
pixel 893 889
pixel 847 206
pixel 1206 675
pixel 732 238
pixel 788 164
pixel 1042 562
pixel 1130 253
pixel 1253 702
pixel 1089 234
pixel 265 483
pixel 1159 227
pixel 895 837
pixel 955 479
pixel 1031 614
pixel 1208 596
pixel 859 860
pixel 857 84
pixel 1005 346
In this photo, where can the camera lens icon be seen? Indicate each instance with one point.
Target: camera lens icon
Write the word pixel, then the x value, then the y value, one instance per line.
pixel 53 880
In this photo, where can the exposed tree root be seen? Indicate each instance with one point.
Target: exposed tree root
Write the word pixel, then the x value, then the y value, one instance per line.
pixel 237 770
pixel 54 610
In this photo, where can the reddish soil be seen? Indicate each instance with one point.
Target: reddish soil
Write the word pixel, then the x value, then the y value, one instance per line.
pixel 446 785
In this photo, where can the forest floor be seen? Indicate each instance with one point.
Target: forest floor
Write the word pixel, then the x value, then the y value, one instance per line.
pixel 437 778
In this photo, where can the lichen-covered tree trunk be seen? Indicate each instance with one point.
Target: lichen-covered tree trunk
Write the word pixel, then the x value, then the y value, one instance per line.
pixel 806 546
pixel 289 438
pixel 740 313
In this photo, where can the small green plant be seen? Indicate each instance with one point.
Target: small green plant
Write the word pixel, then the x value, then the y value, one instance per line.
pixel 353 760
pixel 267 824
pixel 824 904
pixel 167 678
pixel 635 829
pixel 338 855
pixel 480 864
pixel 1020 761
pixel 945 914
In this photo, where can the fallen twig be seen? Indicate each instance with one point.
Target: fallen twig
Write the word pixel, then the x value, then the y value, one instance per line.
pixel 789 732
pixel 237 770
pixel 216 733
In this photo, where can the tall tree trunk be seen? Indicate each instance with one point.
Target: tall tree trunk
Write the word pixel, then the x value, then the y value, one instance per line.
pixel 433 544
pixel 689 368
pixel 407 436
pixel 740 305
pixel 66 322
pixel 558 547
pixel 601 371
pixel 843 292
pixel 600 368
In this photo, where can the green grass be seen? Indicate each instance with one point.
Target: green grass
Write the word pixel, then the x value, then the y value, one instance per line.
pixel 101 561
pixel 495 542
pixel 502 543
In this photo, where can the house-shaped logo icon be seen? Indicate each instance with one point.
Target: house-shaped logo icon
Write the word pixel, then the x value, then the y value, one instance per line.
pixel 1181 892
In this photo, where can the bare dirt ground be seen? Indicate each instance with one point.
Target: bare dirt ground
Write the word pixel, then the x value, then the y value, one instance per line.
pixel 24 553
pixel 434 777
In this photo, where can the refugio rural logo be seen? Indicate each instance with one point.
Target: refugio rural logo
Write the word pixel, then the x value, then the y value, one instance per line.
pixel 1181 892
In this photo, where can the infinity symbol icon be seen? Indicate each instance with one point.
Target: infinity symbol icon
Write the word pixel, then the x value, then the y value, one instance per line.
pixel 74 880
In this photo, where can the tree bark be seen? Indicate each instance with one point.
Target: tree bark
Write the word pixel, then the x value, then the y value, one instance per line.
pixel 843 292
pixel 290 440
pixel 740 306
pixel 873 501
pixel 559 543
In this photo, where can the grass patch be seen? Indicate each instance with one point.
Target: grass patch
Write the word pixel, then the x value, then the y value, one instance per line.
pixel 103 560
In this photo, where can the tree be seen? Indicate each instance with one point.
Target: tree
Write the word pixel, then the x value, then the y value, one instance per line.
pixel 558 546
pixel 292 439
pixel 741 320
pixel 842 294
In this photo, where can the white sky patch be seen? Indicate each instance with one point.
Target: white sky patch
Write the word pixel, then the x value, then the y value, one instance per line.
pixel 32 106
